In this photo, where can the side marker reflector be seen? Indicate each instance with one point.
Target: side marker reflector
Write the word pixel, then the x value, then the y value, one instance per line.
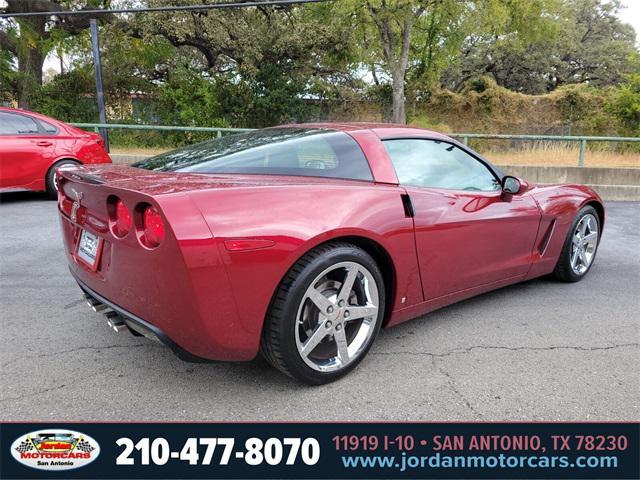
pixel 239 244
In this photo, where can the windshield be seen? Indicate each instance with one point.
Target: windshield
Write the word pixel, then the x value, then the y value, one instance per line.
pixel 272 151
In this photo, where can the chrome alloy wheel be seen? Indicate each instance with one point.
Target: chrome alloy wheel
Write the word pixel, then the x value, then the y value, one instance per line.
pixel 337 316
pixel 584 243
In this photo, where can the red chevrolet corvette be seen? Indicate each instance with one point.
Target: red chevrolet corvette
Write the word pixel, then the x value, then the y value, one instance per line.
pixel 33 146
pixel 302 241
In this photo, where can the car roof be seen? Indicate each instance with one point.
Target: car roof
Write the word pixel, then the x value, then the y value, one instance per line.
pixel 383 130
pixel 386 131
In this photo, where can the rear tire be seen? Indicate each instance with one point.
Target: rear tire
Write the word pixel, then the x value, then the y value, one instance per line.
pixel 316 331
pixel 580 246
pixel 52 189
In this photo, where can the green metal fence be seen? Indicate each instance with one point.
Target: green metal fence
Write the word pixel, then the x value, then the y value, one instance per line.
pixel 121 126
pixel 582 140
pixel 464 137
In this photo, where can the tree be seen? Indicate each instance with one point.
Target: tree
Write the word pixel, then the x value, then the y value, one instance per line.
pixel 599 47
pixel 385 29
pixel 30 39
pixel 269 56
pixel 414 39
pixel 395 23
pixel 587 43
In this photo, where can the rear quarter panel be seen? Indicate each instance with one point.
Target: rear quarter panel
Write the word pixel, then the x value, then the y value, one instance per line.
pixel 90 150
pixel 298 218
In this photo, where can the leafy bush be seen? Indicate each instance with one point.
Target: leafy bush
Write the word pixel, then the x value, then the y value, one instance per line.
pixel 69 97
pixel 625 105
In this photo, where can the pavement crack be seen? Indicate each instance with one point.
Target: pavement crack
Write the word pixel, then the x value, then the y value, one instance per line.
pixel 32 395
pixel 452 385
pixel 73 350
pixel 464 351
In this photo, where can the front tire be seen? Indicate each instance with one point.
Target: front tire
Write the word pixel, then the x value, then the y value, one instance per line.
pixel 325 315
pixel 580 246
pixel 52 189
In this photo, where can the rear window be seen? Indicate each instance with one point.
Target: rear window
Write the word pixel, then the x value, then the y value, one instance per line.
pixel 47 127
pixel 15 124
pixel 272 151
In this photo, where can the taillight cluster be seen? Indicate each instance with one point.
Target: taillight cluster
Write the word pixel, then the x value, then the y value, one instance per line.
pixel 152 227
pixel 146 219
pixel 122 221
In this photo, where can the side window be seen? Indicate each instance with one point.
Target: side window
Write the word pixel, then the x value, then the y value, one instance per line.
pixel 14 124
pixel 47 127
pixel 435 164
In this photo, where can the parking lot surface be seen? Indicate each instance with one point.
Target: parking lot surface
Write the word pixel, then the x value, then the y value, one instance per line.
pixel 540 350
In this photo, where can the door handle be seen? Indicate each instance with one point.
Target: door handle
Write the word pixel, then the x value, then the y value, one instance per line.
pixel 44 143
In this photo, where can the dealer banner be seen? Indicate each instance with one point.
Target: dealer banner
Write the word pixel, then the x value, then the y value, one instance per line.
pixel 320 450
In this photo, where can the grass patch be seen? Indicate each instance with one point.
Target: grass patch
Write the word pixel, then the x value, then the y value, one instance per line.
pixel 137 151
pixel 558 155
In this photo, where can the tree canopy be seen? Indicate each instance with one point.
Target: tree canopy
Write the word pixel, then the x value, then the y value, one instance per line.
pixel 587 43
pixel 262 65
pixel 30 39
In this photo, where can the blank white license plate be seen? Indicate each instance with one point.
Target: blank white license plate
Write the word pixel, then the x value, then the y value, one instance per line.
pixel 89 248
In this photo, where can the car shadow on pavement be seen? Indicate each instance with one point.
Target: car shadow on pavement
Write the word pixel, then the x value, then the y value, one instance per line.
pixel 13 197
pixel 258 374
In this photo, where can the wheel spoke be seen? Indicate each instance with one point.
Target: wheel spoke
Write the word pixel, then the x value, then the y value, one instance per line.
pixel 347 286
pixel 590 238
pixel 321 302
pixel 583 259
pixel 574 257
pixel 361 312
pixel 583 227
pixel 576 240
pixel 315 338
pixel 343 348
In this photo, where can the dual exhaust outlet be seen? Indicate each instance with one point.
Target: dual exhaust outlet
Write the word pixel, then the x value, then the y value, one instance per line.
pixel 114 321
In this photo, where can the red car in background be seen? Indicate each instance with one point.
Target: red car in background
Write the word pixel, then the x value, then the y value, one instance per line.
pixel 33 146
pixel 301 241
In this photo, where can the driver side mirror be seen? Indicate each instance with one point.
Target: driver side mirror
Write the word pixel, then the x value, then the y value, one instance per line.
pixel 513 185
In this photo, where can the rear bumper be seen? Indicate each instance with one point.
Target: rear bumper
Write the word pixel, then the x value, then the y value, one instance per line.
pixel 139 325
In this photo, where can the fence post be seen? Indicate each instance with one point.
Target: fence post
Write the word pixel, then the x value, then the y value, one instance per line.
pixel 219 133
pixel 98 76
pixel 583 148
pixel 465 140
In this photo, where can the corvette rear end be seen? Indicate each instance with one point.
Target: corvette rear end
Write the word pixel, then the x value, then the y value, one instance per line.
pixel 137 256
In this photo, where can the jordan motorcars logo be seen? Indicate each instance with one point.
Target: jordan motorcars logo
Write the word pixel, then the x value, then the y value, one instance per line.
pixel 55 449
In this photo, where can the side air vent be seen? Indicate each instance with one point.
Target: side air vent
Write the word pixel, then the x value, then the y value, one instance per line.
pixel 547 236
pixel 408 206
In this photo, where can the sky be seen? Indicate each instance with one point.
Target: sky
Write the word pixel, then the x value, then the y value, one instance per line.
pixel 631 14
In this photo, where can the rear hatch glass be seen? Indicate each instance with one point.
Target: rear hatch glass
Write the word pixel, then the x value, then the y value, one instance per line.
pixel 272 151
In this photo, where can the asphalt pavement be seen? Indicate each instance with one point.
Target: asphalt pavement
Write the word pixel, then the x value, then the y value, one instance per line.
pixel 541 350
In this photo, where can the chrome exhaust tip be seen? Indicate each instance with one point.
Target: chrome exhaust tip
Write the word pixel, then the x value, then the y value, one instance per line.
pixel 116 323
pixel 94 304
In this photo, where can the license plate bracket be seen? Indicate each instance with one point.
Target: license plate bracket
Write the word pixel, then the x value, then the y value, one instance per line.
pixel 89 249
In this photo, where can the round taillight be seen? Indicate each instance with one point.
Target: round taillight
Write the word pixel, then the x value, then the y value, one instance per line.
pixel 153 227
pixel 122 221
